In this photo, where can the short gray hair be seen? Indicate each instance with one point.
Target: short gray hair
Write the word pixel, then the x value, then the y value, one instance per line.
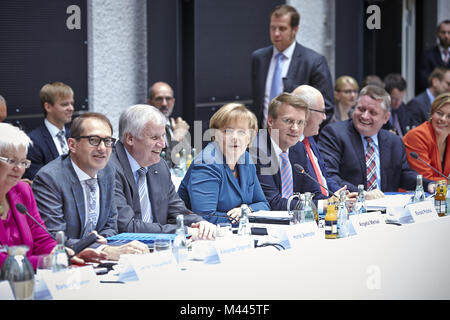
pixel 12 138
pixel 135 118
pixel 377 93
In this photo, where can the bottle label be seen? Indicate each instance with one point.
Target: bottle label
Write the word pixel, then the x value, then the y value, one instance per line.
pixel 330 227
pixel 440 206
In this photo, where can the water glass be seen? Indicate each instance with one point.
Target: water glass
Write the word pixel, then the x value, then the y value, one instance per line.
pixel 162 244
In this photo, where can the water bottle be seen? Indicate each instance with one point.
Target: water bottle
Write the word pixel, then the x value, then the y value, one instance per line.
pixel 180 249
pixel 18 270
pixel 183 162
pixel 360 205
pixel 342 217
pixel 308 212
pixel 419 194
pixel 60 259
pixel 244 224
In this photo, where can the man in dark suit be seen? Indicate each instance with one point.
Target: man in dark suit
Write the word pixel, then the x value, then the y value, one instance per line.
pixel 399 122
pixel 74 192
pixel 437 56
pixel 316 115
pixel 177 130
pixel 144 194
pixel 287 116
pixel 50 139
pixel 419 107
pixel 287 64
pixel 357 151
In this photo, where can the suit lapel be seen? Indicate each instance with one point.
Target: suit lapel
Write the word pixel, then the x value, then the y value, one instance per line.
pixel 355 138
pixel 123 159
pixel 77 192
pixel 384 146
pixel 154 192
pixel 49 141
pixel 295 66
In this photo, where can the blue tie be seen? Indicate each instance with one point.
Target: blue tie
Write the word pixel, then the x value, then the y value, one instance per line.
pixel 286 176
pixel 275 89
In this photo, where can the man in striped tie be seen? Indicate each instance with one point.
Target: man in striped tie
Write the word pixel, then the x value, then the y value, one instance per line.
pixel 358 151
pixel 145 196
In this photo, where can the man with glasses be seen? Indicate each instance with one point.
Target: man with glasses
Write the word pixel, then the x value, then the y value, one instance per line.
pixel 161 97
pixel 74 192
pixel 279 148
pixel 316 165
pixel 50 139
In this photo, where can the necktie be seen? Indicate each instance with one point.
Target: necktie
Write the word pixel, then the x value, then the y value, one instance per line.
pixel 286 176
pixel 370 165
pixel 143 195
pixel 62 141
pixel 446 56
pixel 396 123
pixel 92 217
pixel 314 165
pixel 275 89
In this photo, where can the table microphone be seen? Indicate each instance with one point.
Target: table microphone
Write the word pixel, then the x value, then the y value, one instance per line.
pixel 416 156
pixel 77 247
pixel 301 170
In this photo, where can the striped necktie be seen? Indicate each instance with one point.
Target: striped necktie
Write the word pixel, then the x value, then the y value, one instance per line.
pixel 62 141
pixel 92 216
pixel 286 176
pixel 143 195
pixel 371 168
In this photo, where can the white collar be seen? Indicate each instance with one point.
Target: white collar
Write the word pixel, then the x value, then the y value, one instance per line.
pixel 54 130
pixel 287 53
pixel 80 173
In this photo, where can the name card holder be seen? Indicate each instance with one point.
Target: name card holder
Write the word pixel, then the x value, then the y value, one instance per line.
pixel 71 283
pixel 229 247
pixel 302 231
pixel 367 222
pixel 423 211
pixel 139 266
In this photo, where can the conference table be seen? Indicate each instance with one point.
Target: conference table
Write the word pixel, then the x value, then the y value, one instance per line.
pixel 409 261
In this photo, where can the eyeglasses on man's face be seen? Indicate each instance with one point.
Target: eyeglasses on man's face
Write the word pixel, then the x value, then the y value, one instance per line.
pixel 12 162
pixel 291 122
pixel 96 140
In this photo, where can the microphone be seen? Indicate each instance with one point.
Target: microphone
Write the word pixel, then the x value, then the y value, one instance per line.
pixel 77 247
pixel 416 156
pixel 301 170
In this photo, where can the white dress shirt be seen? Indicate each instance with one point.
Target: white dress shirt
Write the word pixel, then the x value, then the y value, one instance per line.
pixel 53 132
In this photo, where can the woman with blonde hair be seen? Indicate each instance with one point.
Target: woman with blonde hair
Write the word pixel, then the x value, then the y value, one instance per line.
pixel 221 178
pixel 430 141
pixel 345 95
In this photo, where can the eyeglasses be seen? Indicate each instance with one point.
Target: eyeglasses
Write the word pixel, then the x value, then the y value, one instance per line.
pixel 291 122
pixel 96 140
pixel 349 91
pixel 321 111
pixel 21 164
pixel 160 99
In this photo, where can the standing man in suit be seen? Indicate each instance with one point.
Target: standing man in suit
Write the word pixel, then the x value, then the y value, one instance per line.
pixel 280 149
pixel 437 56
pixel 161 96
pixel 399 122
pixel 50 139
pixel 419 107
pixel 286 64
pixel 145 196
pixel 358 151
pixel 315 164
pixel 74 193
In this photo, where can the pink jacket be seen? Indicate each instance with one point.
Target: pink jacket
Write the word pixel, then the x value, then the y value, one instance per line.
pixel 33 236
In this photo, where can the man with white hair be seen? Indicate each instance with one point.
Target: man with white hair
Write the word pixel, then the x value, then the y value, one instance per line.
pixel 145 196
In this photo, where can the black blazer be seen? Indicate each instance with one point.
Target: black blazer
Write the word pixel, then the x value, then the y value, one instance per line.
pixel 306 67
pixel 419 109
pixel 343 150
pixel 430 60
pixel 42 151
pixel 403 118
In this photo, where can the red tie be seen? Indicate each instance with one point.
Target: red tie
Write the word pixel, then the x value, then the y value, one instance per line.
pixel 315 167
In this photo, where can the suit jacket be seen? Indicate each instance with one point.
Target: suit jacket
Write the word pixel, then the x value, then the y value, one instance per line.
pixel 331 182
pixel 42 151
pixel 419 109
pixel 268 171
pixel 165 202
pixel 60 199
pixel 431 59
pixel 209 186
pixel 403 119
pixel 306 67
pixel 423 141
pixel 32 235
pixel 343 150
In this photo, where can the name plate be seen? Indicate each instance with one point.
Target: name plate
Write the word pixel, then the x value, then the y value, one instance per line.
pixel 139 266
pixel 231 246
pixel 302 231
pixel 70 283
pixel 370 221
pixel 423 211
